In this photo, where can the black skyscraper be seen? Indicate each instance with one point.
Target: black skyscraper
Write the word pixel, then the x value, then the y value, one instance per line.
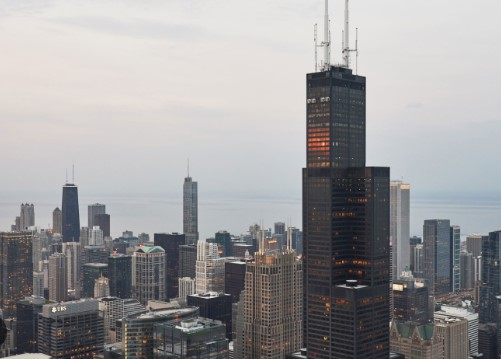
pixel 71 215
pixel 491 277
pixel 170 243
pixel 120 275
pixel 346 225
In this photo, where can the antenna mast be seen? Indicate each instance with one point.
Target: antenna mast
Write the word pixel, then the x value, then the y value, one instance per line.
pixel 326 44
pixel 346 37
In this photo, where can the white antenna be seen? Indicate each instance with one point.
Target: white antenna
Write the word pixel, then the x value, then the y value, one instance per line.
pixel 346 38
pixel 326 44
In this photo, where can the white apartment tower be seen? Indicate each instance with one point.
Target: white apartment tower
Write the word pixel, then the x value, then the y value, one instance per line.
pixel 399 226
pixel 209 269
pixel 148 274
pixel 190 210
pixel 271 322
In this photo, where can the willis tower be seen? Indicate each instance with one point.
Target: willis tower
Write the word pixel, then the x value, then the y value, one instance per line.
pixel 345 219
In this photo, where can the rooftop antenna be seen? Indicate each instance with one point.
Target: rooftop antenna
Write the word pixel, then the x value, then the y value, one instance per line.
pixel 327 41
pixel 346 38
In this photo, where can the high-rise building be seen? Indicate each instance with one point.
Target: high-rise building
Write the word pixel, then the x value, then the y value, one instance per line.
pixel 96 237
pixel 487 341
pixel 190 210
pixel 148 274
pixel 38 284
pixel 411 300
pixel 187 287
pixel 400 226
pixel 57 221
pixel 474 244
pixel 93 210
pixel 234 278
pixel 16 270
pixel 455 250
pixel 437 255
pixel 491 277
pixel 415 241
pixel 472 320
pixel 452 334
pixel 103 221
pixel 71 330
pixel 191 338
pixel 345 224
pixel 27 217
pixel 27 323
pixel 72 251
pixel 209 268
pixel 70 214
pixel 272 307
pixel 91 272
pixel 187 260
pixel 120 275
pixel 58 278
pixel 170 243
pixel 223 241
pixel 467 271
pixel 216 306
pixel 101 287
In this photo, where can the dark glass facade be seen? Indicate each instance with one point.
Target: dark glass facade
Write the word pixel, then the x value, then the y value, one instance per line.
pixel 27 324
pixel 234 279
pixel 120 275
pixel 71 214
pixel 410 302
pixel 16 270
pixel 170 243
pixel 345 224
pixel 437 258
pixel 223 240
pixel 103 221
pixel 187 260
pixel 491 277
pixel 91 272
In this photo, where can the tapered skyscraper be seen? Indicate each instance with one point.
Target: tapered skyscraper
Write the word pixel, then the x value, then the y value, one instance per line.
pixel 190 210
pixel 345 221
pixel 71 214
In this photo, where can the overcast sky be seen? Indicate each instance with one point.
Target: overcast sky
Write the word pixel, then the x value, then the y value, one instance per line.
pixel 127 90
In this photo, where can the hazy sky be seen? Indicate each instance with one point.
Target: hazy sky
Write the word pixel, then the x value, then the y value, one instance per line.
pixel 127 90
